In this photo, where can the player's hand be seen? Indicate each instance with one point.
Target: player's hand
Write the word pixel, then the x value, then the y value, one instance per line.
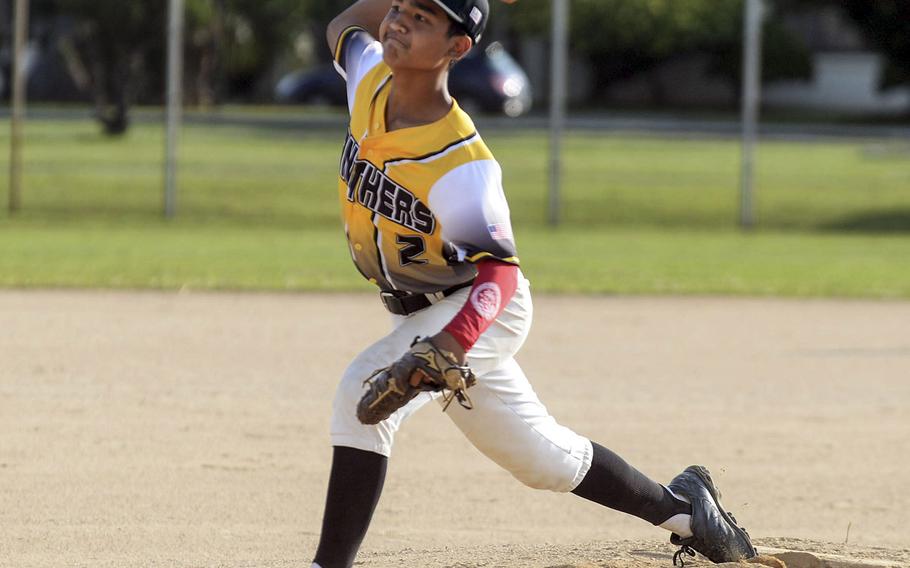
pixel 424 367
pixel 446 342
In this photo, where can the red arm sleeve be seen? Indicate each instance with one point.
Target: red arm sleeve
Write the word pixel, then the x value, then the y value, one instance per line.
pixel 493 288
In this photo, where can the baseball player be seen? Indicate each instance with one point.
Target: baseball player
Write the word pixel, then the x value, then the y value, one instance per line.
pixel 427 221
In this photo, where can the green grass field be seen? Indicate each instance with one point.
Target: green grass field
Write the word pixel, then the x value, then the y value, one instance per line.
pixel 642 215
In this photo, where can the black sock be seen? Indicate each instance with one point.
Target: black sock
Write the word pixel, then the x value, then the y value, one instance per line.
pixel 615 484
pixel 355 485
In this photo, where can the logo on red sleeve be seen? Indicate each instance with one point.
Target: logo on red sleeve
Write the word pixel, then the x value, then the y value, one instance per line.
pixel 486 299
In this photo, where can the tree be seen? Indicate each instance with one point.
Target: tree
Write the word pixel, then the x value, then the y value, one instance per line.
pixel 109 41
pixel 256 33
pixel 620 38
pixel 118 48
pixel 6 40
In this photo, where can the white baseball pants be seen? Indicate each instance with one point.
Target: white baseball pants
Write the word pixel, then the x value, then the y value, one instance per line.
pixel 508 423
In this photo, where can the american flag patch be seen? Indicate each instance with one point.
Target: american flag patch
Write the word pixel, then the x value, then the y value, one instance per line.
pixel 500 231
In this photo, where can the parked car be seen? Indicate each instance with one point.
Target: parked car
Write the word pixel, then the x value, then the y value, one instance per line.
pixel 488 80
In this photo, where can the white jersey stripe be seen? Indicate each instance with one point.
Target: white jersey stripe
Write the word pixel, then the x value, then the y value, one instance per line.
pixel 427 159
pixel 382 260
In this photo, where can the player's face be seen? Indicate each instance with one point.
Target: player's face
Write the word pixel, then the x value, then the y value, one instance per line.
pixel 415 35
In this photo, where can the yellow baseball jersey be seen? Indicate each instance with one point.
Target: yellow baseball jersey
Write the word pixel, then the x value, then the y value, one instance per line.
pixel 420 205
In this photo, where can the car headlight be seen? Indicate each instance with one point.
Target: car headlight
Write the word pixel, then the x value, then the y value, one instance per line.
pixel 511 87
pixel 513 108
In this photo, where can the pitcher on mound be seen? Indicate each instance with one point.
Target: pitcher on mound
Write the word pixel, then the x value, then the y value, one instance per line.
pixel 427 222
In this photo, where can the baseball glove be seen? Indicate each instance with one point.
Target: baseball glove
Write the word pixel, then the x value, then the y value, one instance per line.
pixel 390 388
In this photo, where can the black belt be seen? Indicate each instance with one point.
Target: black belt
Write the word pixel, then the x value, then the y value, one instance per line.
pixel 404 303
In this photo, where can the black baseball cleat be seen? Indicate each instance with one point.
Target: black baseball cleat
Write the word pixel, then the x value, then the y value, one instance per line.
pixel 715 533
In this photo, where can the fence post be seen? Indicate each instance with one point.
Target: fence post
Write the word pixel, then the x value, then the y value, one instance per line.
pixel 20 82
pixel 558 63
pixel 174 103
pixel 752 47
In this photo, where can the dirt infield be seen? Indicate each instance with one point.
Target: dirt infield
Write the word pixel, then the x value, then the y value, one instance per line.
pixel 147 429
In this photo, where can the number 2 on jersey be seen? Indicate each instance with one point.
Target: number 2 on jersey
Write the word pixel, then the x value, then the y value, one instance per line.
pixel 410 248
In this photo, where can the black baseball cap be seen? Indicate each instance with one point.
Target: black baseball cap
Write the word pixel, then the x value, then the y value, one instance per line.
pixel 471 15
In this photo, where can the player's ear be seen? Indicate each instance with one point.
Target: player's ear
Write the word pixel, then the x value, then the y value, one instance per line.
pixel 460 46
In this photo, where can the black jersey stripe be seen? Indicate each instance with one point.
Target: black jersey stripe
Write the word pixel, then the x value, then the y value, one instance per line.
pixel 341 45
pixel 448 146
pixel 379 90
pixel 475 258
